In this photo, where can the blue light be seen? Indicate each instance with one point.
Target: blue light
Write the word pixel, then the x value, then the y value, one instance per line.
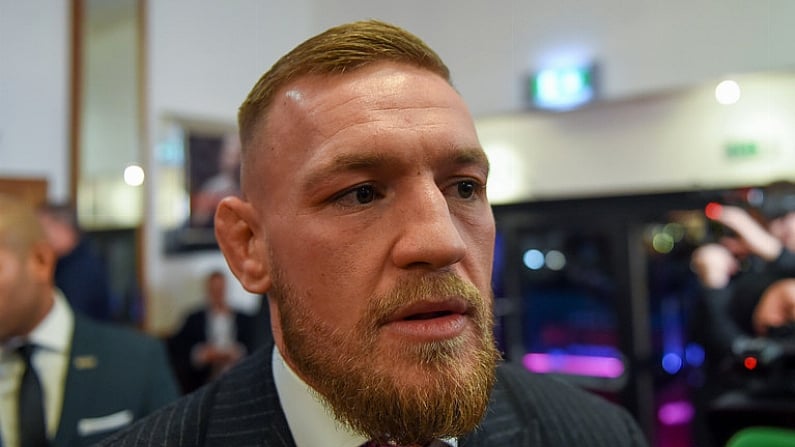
pixel 694 354
pixel 533 259
pixel 672 363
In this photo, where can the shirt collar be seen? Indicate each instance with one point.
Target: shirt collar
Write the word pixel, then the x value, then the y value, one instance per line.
pixel 53 333
pixel 310 421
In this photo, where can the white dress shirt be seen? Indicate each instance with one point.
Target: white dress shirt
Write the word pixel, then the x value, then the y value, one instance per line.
pixel 311 422
pixel 52 338
pixel 221 330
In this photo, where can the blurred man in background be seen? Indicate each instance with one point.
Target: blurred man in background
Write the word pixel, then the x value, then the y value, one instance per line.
pixel 212 339
pixel 80 272
pixel 65 380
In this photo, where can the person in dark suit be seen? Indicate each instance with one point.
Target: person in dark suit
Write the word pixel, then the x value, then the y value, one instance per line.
pixel 365 219
pixel 211 340
pixel 65 379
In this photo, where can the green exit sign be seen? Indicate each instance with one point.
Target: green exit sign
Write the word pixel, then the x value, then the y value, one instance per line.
pixel 741 149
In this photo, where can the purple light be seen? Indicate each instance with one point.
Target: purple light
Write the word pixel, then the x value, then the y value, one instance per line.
pixel 580 365
pixel 675 413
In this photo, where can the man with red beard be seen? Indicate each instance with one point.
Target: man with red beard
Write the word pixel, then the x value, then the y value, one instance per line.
pixel 364 218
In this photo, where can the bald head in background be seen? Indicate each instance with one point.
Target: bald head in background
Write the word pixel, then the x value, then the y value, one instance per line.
pixel 125 373
pixel 27 262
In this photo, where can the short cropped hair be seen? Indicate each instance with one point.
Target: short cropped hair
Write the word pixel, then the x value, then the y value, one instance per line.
pixel 338 50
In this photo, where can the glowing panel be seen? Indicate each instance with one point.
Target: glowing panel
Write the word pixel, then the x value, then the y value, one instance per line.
pixel 580 365
pixel 562 89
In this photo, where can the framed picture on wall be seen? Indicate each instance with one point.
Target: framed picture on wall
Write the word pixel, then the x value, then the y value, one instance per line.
pixel 213 173
pixel 202 162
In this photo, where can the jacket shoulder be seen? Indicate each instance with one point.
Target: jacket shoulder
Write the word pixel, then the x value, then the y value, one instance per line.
pixel 112 339
pixel 182 423
pixel 240 408
pixel 555 413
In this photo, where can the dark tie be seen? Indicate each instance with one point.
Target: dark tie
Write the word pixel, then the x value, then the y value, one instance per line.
pixel 32 428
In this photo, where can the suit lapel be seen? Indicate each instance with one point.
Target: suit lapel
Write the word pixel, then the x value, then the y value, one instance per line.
pixel 502 429
pixel 78 379
pixel 247 405
pixel 506 422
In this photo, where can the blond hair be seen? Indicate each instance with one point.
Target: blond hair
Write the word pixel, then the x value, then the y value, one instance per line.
pixel 338 50
pixel 19 227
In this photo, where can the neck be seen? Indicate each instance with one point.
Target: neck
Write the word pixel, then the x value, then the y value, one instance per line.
pixel 39 313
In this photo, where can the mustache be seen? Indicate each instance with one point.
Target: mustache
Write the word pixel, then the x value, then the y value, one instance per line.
pixel 429 288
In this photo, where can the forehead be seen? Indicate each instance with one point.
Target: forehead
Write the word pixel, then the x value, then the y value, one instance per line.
pixel 379 86
pixel 381 102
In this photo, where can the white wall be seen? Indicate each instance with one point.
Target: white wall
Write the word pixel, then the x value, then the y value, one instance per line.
pixel 34 84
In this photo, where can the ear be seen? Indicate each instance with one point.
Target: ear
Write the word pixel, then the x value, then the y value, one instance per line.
pixel 41 261
pixel 242 241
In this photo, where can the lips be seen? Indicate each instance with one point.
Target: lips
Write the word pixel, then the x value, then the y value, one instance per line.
pixel 428 321
pixel 428 315
pixel 425 310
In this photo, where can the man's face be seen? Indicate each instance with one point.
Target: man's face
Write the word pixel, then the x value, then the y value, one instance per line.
pixel 370 190
pixel 19 306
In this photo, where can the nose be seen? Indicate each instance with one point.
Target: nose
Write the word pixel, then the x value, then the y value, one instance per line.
pixel 428 236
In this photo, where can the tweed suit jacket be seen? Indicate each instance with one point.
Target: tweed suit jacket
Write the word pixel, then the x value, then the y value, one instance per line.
pixel 242 409
pixel 115 376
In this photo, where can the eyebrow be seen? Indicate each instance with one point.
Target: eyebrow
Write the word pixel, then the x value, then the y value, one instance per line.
pixel 368 161
pixel 472 156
